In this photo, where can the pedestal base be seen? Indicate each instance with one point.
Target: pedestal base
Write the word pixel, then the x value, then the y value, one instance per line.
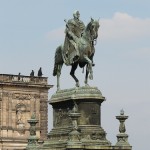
pixel 91 135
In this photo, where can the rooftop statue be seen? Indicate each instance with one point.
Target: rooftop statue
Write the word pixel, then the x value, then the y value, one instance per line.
pixel 40 72
pixel 78 48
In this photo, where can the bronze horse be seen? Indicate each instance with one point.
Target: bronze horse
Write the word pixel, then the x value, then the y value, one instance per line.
pixel 86 49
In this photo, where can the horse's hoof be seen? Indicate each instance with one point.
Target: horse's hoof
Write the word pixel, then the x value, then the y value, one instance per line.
pixel 58 89
pixel 91 77
pixel 77 84
pixel 86 84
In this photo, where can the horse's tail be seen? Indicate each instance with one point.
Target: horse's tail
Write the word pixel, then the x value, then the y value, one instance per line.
pixel 55 69
pixel 58 60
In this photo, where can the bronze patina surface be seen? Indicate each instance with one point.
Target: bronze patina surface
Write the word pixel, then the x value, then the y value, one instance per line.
pixel 78 48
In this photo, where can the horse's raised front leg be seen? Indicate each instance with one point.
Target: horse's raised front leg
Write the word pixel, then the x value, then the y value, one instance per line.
pixel 89 66
pixel 58 76
pixel 72 73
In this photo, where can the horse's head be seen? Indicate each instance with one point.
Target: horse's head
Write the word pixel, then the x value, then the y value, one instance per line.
pixel 93 27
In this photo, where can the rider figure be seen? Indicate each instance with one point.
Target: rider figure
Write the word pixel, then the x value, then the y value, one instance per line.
pixel 74 30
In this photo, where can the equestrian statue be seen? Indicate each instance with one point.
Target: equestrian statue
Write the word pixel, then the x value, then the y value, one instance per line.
pixel 78 48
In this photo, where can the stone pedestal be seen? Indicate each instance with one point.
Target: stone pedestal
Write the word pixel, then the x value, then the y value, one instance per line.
pixel 77 121
pixel 88 101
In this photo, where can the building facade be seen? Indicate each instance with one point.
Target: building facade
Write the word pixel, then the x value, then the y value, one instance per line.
pixel 20 97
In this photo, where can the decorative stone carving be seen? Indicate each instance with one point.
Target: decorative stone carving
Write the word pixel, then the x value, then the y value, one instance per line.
pixel 21 129
pixel 36 96
pixel 1 96
pixel 20 119
pixel 19 116
pixel 43 106
pixel 61 118
pixel 6 94
pixel 98 136
pixel 90 114
pixel 43 97
pixel 21 96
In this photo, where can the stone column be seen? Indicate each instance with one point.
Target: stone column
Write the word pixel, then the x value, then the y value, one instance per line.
pixel 32 140
pixel 10 134
pixel 5 114
pixel 0 112
pixel 74 140
pixel 43 116
pixel 122 137
pixel 87 119
pixel 10 112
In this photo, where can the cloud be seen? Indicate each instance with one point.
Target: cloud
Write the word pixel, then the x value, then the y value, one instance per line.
pixel 123 26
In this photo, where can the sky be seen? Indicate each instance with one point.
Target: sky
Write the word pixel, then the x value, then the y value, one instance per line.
pixel 31 30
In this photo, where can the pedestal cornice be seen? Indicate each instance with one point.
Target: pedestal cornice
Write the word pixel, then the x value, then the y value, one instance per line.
pixel 85 93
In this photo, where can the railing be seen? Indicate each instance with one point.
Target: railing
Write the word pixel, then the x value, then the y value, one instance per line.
pixel 23 79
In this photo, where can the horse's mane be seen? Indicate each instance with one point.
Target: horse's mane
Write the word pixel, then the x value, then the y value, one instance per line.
pixel 90 23
pixel 88 26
